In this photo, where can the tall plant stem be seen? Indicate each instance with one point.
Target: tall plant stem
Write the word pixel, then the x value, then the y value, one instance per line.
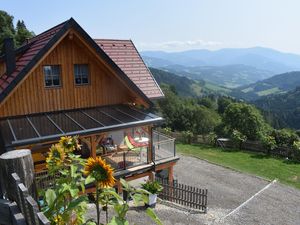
pixel 97 203
pixel 106 212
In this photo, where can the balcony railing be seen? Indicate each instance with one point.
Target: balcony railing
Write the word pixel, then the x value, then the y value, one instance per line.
pixel 127 159
pixel 163 146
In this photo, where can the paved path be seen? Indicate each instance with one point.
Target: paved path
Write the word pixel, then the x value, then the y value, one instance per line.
pixel 228 189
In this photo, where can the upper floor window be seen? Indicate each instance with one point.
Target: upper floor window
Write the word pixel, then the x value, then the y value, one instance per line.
pixel 81 73
pixel 52 75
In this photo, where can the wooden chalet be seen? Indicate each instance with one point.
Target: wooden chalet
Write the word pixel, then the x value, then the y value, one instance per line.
pixel 62 82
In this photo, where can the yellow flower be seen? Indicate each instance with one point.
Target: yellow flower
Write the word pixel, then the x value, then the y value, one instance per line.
pixel 58 220
pixel 100 171
pixel 56 156
pixel 69 143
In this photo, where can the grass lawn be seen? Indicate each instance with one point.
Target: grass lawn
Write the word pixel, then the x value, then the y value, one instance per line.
pixel 258 164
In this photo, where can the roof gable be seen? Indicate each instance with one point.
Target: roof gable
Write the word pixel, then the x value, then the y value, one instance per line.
pixel 38 46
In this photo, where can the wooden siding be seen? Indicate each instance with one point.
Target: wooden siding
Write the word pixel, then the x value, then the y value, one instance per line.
pixel 2 68
pixel 31 96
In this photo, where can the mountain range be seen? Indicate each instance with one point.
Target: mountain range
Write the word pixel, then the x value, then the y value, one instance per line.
pixel 230 68
pixel 258 57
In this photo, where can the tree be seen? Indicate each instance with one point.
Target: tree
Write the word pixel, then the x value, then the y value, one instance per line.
pixel 246 119
pixel 6 27
pixel 7 30
pixel 22 33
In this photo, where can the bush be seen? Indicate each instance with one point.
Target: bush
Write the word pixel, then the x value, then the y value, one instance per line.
pixel 187 137
pixel 285 137
pixel 212 138
pixel 269 143
pixel 238 138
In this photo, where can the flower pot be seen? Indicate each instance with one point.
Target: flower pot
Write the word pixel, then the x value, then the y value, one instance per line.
pixel 152 200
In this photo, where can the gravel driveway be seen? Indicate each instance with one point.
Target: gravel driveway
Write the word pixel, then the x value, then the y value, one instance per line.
pixel 228 189
pixel 229 193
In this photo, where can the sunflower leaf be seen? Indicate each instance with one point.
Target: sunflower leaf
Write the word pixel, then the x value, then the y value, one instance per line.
pixel 50 197
pixel 89 180
pixel 73 170
pixel 153 216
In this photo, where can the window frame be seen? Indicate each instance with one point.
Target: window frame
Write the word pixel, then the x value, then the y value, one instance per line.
pixel 88 74
pixel 59 76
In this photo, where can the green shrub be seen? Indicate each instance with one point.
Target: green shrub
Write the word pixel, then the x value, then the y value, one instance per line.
pixel 187 137
pixel 238 138
pixel 285 137
pixel 269 143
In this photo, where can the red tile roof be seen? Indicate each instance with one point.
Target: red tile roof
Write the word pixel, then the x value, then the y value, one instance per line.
pixel 33 46
pixel 126 56
pixel 120 54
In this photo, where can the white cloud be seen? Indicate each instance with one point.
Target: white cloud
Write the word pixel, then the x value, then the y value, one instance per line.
pixel 179 45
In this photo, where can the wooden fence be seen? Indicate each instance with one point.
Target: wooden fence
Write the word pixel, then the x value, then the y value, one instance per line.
pixel 252 146
pixel 24 210
pixel 184 195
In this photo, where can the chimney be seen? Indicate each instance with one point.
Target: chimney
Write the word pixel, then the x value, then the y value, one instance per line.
pixel 10 57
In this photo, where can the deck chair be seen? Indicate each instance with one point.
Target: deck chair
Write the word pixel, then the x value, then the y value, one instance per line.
pixel 130 146
pixel 136 144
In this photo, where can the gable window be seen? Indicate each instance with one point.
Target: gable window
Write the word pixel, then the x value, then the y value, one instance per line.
pixel 81 74
pixel 52 75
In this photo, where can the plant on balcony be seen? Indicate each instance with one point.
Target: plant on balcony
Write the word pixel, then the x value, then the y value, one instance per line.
pixel 154 188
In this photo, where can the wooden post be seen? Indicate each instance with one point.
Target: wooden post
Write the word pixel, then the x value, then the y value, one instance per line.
pixel 152 176
pixel 150 145
pixel 93 146
pixel 33 210
pixel 20 162
pixel 170 174
pixel 42 219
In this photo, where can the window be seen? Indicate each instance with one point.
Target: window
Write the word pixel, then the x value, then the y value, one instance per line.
pixel 81 73
pixel 52 75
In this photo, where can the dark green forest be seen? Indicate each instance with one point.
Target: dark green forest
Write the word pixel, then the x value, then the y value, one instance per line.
pixel 19 33
pixel 282 110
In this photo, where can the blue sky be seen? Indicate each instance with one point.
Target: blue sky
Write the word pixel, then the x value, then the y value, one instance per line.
pixel 173 25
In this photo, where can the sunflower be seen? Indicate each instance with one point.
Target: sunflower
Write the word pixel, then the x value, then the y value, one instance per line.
pixel 100 171
pixel 69 143
pixel 56 156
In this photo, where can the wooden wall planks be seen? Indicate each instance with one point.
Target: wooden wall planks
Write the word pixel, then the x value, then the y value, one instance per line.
pixel 33 97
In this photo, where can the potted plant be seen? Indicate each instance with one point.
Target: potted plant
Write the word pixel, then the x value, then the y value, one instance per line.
pixel 153 187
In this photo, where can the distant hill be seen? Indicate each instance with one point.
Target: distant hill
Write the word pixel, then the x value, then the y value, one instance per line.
pixel 187 87
pixel 258 57
pixel 230 76
pixel 283 110
pixel 277 84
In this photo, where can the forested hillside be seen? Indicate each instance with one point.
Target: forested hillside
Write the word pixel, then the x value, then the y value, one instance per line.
pixel 282 110
pixel 277 84
pixel 187 87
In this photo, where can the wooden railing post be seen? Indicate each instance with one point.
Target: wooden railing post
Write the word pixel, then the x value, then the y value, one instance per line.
pixel 24 194
pixel 33 209
pixel 42 219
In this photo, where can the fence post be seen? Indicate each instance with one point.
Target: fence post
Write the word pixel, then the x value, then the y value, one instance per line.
pixel 42 219
pixel 20 162
pixel 33 210
pixel 16 216
pixel 24 194
pixel 16 182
